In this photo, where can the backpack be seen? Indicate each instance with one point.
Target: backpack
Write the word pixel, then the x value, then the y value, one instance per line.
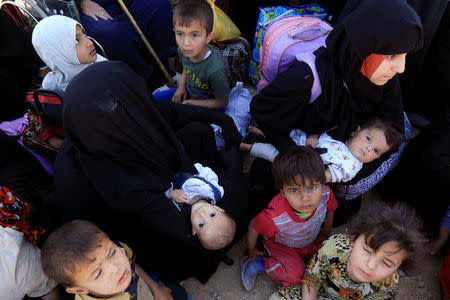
pixel 48 106
pixel 285 39
pixel 268 15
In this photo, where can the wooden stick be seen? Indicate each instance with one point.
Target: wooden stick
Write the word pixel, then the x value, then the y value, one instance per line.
pixel 144 39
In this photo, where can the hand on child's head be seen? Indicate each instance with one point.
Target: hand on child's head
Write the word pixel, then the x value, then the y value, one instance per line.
pixel 368 265
pixel 105 273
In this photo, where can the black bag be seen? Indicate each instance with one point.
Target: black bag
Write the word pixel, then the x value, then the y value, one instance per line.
pixel 48 105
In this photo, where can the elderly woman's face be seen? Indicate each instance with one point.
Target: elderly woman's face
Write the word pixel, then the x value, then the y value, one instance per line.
pixel 390 66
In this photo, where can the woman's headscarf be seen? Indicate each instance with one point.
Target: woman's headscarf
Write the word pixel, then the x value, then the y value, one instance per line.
pixel 122 142
pixel 371 27
pixel 55 42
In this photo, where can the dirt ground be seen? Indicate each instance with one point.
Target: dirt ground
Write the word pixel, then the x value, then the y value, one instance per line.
pixel 226 284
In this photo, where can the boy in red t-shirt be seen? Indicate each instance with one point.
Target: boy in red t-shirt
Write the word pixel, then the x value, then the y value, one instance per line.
pixel 295 223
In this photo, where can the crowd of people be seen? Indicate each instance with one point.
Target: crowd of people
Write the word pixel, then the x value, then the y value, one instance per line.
pixel 145 189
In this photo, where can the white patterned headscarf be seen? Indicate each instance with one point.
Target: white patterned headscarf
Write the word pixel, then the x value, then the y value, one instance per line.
pixel 54 39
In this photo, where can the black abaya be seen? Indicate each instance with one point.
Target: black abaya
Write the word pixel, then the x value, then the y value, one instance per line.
pixel 119 157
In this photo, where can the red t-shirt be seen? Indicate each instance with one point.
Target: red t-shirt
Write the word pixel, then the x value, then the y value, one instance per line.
pixel 280 223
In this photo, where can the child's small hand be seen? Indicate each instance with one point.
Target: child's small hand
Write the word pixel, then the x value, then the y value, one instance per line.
pixel 312 140
pixel 180 95
pixel 179 196
pixel 252 253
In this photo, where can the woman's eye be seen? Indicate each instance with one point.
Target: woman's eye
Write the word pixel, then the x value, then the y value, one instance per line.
pixel 200 225
pixel 213 214
pixel 98 274
pixel 112 253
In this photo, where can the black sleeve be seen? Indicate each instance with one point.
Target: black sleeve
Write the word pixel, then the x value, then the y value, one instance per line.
pixel 178 115
pixel 277 108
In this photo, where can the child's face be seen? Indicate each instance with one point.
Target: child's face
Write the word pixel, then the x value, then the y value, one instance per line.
pixel 85 47
pixel 368 144
pixel 366 265
pixel 203 215
pixel 107 273
pixel 303 198
pixel 390 66
pixel 193 40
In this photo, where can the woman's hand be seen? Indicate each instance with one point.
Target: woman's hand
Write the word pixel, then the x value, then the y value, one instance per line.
pixel 94 10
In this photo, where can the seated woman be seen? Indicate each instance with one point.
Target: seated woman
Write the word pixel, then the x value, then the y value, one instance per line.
pixel 357 71
pixel 119 157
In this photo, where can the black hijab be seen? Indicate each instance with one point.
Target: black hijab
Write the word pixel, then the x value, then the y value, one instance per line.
pixel 373 26
pixel 122 142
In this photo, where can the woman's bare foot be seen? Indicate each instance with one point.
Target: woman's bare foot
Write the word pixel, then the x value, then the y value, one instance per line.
pixel 245 147
pixel 256 131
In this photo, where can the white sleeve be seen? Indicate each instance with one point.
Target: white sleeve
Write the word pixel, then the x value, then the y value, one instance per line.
pixel 264 150
pixel 30 277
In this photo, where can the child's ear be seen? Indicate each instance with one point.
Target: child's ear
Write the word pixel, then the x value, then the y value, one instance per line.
pixel 282 193
pixel 77 290
pixel 194 232
pixel 210 37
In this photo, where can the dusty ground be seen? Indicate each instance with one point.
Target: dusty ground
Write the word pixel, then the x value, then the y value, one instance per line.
pixel 226 284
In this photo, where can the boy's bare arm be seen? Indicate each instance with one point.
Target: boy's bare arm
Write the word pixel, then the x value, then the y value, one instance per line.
pixel 216 103
pixel 160 292
pixel 180 94
pixel 326 227
pixel 252 238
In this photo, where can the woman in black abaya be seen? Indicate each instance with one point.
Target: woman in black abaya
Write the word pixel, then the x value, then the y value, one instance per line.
pixel 120 156
pixel 372 29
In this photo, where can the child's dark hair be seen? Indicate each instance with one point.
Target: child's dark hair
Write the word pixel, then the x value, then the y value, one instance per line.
pixel 187 11
pixel 297 163
pixel 381 223
pixel 67 247
pixel 394 138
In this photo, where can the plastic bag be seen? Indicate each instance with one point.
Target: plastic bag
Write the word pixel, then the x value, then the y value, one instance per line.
pixel 224 29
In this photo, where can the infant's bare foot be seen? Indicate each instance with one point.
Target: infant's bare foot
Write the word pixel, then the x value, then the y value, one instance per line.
pixel 245 147
pixel 256 131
